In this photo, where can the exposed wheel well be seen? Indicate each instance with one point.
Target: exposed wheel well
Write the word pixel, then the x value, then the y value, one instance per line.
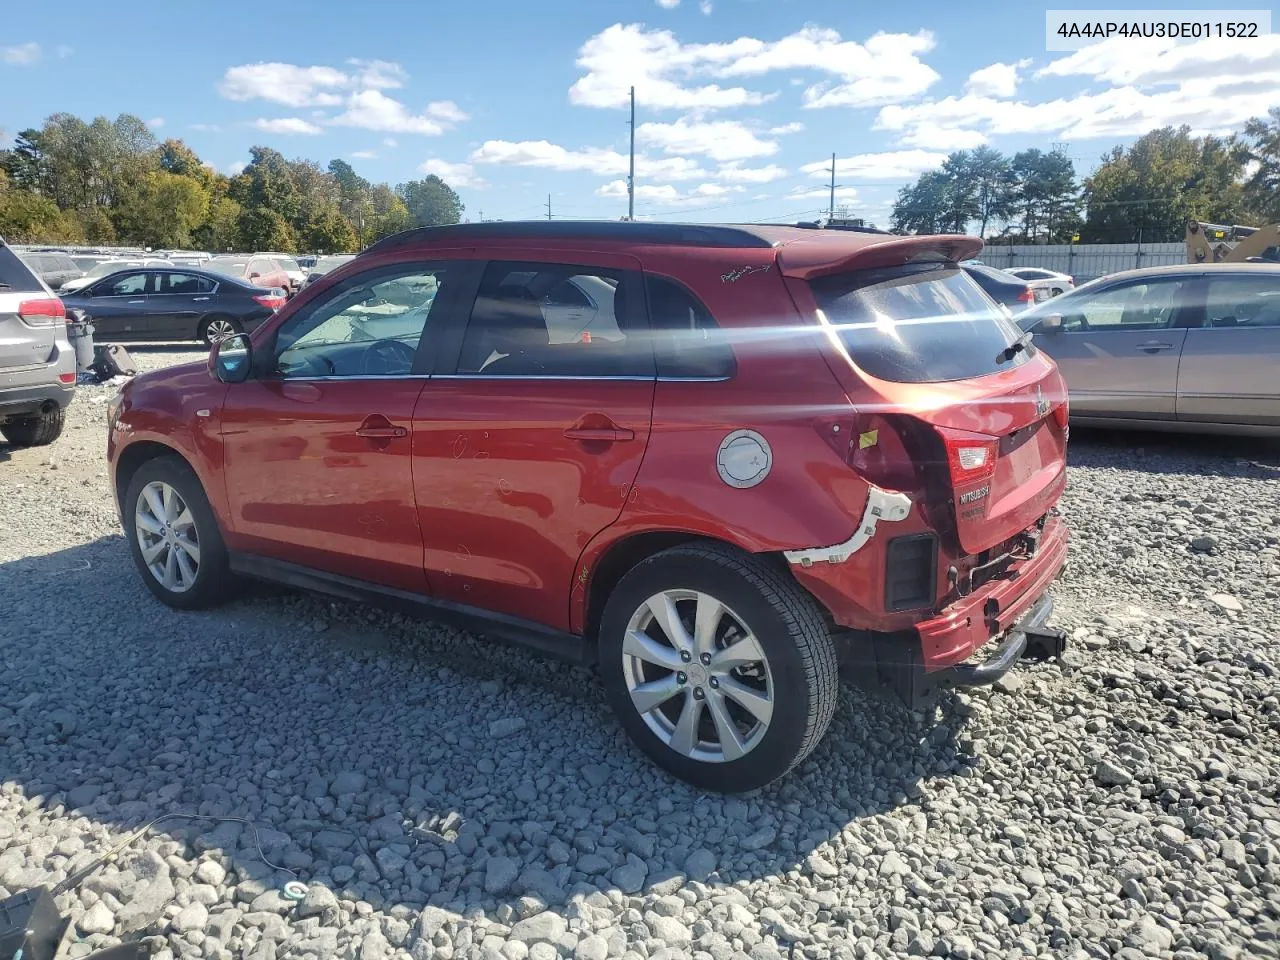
pixel 622 556
pixel 134 456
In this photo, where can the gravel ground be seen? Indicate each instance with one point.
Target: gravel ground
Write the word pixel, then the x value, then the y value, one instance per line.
pixel 443 797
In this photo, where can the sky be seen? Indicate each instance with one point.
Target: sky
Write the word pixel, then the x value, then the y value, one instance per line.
pixel 740 103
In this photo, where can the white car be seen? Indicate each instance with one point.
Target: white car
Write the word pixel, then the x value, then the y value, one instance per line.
pixel 106 268
pixel 1053 283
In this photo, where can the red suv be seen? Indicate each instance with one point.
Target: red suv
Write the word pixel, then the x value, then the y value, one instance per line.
pixel 716 462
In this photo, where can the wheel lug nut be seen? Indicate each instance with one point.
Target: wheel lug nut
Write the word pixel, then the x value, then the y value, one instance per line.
pixel 686 656
pixel 714 683
pixel 706 659
pixel 698 694
pixel 681 677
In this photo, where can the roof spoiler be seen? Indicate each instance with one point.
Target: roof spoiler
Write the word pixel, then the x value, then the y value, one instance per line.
pixel 805 259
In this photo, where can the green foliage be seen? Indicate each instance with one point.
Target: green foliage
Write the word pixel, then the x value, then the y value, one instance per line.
pixel 1262 189
pixel 27 217
pixel 1047 199
pixel 261 228
pixel 1166 177
pixel 431 202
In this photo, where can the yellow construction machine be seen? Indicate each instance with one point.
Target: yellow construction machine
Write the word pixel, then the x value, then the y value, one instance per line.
pixel 1214 243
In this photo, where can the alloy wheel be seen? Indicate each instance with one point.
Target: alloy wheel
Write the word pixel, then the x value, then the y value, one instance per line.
pixel 698 676
pixel 219 330
pixel 167 536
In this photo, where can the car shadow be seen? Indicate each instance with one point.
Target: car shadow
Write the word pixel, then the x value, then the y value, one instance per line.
pixel 391 759
pixel 1160 452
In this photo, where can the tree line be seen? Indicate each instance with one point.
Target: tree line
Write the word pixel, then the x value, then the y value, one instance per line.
pixel 112 182
pixel 1145 192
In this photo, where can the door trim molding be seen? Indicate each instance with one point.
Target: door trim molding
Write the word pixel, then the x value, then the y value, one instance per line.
pixel 516 630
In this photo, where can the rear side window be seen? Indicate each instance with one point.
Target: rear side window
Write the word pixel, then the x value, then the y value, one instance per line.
pixel 14 274
pixel 183 283
pixel 687 342
pixel 554 320
pixel 916 323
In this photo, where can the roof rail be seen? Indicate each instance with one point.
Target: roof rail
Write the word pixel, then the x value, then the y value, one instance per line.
pixel 690 234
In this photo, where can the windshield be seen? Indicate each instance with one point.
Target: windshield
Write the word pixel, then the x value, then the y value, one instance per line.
pixel 111 266
pixel 916 323
pixel 233 268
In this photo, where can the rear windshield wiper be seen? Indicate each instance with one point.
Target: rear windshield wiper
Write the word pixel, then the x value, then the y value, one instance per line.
pixel 1013 349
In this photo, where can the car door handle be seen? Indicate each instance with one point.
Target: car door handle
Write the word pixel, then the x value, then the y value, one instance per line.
pixel 600 434
pixel 135 301
pixel 379 427
pixel 200 299
pixel 1155 345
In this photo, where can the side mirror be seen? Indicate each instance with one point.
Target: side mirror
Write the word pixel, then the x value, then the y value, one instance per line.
pixel 1051 324
pixel 254 276
pixel 231 360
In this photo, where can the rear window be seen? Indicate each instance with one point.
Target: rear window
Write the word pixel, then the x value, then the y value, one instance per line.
pixel 916 323
pixel 14 274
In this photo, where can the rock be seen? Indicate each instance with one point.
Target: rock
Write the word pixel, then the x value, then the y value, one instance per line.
pixel 499 874
pixel 374 946
pixel 1205 543
pixel 1149 937
pixel 819 866
pixel 669 930
pixel 211 872
pixel 597 775
pixel 349 781
pixel 759 839
pixel 593 947
pixel 1110 774
pixel 629 878
pixel 700 864
pixel 194 916
pixel 892 865
pixel 1227 602
pixel 319 901
pixel 1009 683
pixel 97 919
pixel 545 927
pixel 506 727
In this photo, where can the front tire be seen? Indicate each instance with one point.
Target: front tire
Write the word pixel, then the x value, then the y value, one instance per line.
pixel 719 667
pixel 38 431
pixel 174 537
pixel 213 329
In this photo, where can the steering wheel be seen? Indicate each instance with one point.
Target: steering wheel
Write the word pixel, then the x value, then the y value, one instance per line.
pixel 393 356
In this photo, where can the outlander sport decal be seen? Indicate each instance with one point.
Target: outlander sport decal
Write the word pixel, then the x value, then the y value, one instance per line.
pixel 733 276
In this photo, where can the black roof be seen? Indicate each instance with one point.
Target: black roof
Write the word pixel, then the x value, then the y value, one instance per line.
pixel 681 234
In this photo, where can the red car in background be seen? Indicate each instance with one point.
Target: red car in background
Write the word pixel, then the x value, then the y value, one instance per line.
pixel 717 462
pixel 260 271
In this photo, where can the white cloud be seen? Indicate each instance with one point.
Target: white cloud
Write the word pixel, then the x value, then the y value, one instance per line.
pixel 460 175
pixel 155 123
pixel 235 168
pixel 843 194
pixel 22 54
pixel 666 73
pixel 890 165
pixel 1211 86
pixel 668 4
pixel 63 51
pixel 593 160
pixel 363 155
pixel 735 173
pixel 379 74
pixel 666 194
pixel 997 80
pixel 374 110
pixel 389 142
pixel 285 83
pixel 620 57
pixel 794 127
pixel 287 125
pixel 706 7
pixel 721 140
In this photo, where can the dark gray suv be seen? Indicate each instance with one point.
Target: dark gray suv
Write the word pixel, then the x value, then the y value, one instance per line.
pixel 37 362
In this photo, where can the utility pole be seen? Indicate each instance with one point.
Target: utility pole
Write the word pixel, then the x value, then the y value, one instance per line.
pixel 481 213
pixel 831 207
pixel 631 170
pixel 548 206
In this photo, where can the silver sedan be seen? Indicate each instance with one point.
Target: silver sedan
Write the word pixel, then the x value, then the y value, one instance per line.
pixel 1190 348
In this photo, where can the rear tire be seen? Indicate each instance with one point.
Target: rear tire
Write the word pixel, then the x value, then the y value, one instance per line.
pixel 174 536
pixel 217 328
pixel 719 716
pixel 38 431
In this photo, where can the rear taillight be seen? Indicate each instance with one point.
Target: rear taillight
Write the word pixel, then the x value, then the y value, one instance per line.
pixel 971 457
pixel 1025 295
pixel 44 312
pixel 270 300
pixel 66 378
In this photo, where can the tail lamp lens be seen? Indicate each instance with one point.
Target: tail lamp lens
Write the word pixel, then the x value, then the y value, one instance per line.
pixel 44 312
